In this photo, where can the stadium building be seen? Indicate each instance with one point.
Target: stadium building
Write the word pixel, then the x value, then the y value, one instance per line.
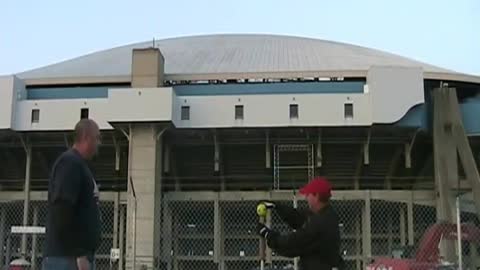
pixel 196 130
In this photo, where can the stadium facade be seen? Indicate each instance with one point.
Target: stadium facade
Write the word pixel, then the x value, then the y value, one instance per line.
pixel 196 130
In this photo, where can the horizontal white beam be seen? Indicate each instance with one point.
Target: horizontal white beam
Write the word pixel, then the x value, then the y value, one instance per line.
pixel 12 196
pixel 423 197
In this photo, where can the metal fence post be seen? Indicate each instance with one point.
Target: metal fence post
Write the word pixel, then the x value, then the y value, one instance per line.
pixel 116 205
pixel 410 226
pixel 367 228
pixel 403 227
pixel 2 235
pixel 122 236
pixel 295 206
pixel 34 239
pixel 26 204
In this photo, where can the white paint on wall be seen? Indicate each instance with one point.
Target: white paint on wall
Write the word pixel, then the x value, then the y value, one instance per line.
pixel 140 104
pixel 59 114
pixel 390 92
pixel 394 91
pixel 273 110
pixel 12 90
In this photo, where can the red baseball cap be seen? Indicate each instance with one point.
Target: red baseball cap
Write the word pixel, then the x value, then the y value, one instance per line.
pixel 318 185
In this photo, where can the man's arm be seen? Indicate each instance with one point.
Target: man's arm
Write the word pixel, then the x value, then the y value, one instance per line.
pixel 293 217
pixel 301 241
pixel 65 195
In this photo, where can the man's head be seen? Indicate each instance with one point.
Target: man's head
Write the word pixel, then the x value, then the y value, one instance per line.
pixel 87 138
pixel 317 192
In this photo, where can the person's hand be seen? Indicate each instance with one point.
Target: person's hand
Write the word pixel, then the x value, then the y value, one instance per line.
pixel 263 230
pixel 268 204
pixel 83 263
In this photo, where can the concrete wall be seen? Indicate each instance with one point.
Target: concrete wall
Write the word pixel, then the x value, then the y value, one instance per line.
pixel 145 166
pixel 394 91
pixel 122 105
pixel 140 104
pixel 273 110
pixel 11 91
pixel 59 114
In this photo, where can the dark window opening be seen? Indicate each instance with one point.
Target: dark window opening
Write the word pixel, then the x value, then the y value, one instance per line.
pixel 239 112
pixel 293 111
pixel 348 109
pixel 185 115
pixel 84 113
pixel 35 115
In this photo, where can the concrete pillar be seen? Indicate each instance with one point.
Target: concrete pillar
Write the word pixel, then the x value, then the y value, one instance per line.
pixel 147 68
pixel 167 236
pixel 445 162
pixel 144 170
pixel 143 213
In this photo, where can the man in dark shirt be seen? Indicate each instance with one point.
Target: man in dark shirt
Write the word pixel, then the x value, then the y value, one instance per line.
pixel 73 222
pixel 317 237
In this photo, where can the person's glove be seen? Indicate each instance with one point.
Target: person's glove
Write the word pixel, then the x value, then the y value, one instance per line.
pixel 268 204
pixel 263 230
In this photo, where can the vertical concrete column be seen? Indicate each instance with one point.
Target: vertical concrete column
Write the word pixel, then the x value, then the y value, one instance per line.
pixel 167 235
pixel 445 163
pixel 144 170
pixel 143 229
pixel 147 68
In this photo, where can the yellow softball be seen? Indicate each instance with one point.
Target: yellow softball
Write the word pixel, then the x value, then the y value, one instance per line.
pixel 261 210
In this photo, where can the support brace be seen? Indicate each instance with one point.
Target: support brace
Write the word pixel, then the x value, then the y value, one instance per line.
pixel 117 153
pixel 268 153
pixel 216 158
pixel 65 139
pixel 408 150
pixel 366 149
pixel 26 203
pixel 319 148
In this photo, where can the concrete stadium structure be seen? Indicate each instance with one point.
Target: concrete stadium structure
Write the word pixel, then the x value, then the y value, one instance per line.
pixel 196 130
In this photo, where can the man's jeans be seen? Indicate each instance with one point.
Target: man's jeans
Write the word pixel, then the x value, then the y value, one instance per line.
pixel 64 263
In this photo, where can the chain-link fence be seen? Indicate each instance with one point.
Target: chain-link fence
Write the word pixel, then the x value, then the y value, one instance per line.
pixel 11 215
pixel 220 232
pixel 411 237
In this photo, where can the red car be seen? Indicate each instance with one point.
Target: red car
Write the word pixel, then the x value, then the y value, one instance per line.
pixel 427 255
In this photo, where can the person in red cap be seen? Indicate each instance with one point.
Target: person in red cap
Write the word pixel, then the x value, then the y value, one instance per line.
pixel 316 239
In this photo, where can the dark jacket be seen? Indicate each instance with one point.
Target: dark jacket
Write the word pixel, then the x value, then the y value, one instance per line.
pixel 316 239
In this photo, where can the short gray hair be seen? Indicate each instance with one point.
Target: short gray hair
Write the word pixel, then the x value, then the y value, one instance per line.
pixel 84 127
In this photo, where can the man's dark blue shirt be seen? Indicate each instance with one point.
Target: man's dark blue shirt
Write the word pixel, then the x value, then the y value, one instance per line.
pixel 73 222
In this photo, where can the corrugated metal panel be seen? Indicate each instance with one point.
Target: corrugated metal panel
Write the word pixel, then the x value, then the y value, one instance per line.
pixel 220 54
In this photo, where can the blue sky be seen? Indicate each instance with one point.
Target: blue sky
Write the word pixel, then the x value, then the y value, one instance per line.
pixel 37 33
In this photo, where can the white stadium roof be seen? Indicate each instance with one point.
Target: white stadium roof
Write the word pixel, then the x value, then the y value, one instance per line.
pixel 234 56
